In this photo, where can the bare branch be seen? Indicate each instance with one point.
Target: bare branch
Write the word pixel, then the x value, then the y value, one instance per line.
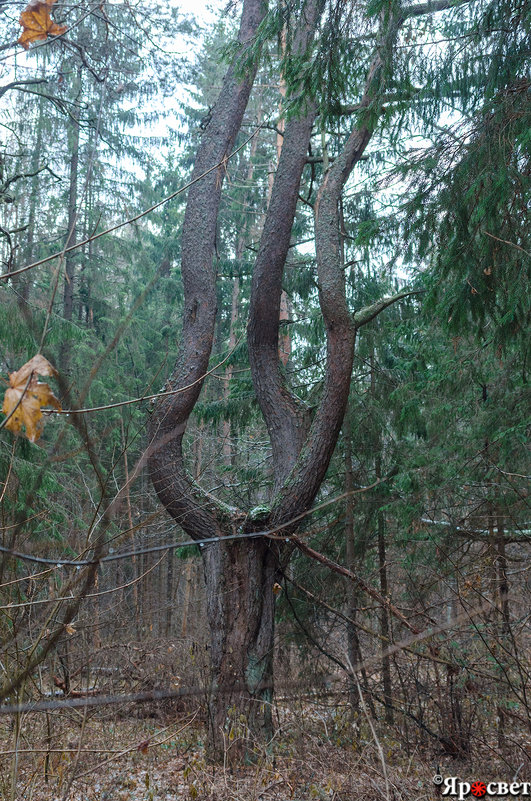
pixel 18 84
pixel 324 560
pixel 27 175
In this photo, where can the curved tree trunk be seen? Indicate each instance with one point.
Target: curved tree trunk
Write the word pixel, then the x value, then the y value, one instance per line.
pixel 240 574
pixel 283 413
pixel 235 619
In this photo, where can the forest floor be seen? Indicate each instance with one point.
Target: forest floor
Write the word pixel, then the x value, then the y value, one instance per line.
pixel 318 754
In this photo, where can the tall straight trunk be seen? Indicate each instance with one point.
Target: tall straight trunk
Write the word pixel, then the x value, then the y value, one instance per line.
pixel 23 282
pixel 500 596
pixel 71 235
pixel 355 554
pixel 140 595
pixel 384 621
pixel 170 560
pixel 382 566
pixel 502 578
pixel 353 642
pixel 502 616
pixel 86 312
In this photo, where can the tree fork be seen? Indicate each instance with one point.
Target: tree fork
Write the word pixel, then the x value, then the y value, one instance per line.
pixel 239 575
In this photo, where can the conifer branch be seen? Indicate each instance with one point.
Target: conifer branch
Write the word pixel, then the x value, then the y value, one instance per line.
pixel 430 7
pixel 368 313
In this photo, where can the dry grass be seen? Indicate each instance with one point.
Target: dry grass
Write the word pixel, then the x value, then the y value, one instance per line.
pixel 317 753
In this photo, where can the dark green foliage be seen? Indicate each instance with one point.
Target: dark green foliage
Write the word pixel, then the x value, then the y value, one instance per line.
pixel 437 412
pixel 472 207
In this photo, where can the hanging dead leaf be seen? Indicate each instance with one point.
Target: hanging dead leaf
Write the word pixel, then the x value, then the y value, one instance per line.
pixel 69 629
pixel 37 23
pixel 26 397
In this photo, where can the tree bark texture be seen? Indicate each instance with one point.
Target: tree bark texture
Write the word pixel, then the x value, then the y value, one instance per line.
pixel 193 509
pixel 238 633
pixel 240 606
pixel 283 413
pixel 240 574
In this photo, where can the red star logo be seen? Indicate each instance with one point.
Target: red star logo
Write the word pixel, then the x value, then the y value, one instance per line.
pixel 478 789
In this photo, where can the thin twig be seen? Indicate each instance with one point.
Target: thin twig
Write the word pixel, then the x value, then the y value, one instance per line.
pixel 507 242
pixel 149 397
pixel 131 220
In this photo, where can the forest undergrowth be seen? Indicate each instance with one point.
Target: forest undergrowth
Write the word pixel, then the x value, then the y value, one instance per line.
pixel 320 751
pixel 273 265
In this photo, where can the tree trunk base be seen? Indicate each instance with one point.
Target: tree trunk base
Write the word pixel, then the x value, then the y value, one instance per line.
pixel 240 605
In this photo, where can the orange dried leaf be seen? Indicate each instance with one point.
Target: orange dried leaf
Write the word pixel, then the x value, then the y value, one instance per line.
pixel 26 397
pixel 37 23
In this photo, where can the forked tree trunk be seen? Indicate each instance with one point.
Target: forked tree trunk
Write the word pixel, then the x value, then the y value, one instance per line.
pixel 240 574
pixel 235 616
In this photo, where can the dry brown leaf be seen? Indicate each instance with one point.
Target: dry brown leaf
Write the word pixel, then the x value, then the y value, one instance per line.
pixel 69 629
pixel 26 397
pixel 37 23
